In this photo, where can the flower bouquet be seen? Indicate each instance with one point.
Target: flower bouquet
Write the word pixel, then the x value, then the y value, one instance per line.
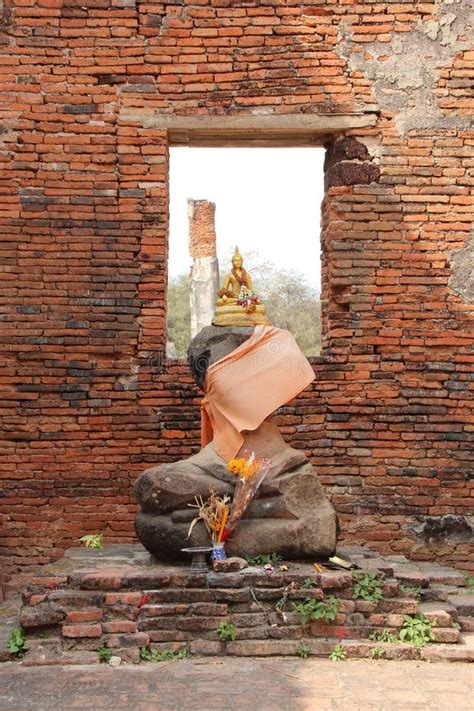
pixel 251 470
pixel 219 519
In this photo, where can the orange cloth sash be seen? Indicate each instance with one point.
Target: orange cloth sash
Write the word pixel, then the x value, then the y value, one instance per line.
pixel 244 387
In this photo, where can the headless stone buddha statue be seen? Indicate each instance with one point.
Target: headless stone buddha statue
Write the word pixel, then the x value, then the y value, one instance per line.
pixel 247 369
pixel 237 304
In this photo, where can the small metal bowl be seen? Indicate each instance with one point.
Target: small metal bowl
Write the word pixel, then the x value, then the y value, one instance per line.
pixel 199 555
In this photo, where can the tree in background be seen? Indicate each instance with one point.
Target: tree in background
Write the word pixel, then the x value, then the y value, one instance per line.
pixel 290 301
pixel 292 304
pixel 179 314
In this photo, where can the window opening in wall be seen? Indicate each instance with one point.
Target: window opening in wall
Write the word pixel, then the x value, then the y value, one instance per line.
pixel 268 202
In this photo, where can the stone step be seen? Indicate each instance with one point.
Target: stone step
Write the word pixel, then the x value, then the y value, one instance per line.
pixel 127 607
pixel 443 575
pixel 450 653
pixel 467 623
pixel 464 604
pixel 444 613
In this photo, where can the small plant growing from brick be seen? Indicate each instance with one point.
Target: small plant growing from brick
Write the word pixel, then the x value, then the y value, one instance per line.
pixel 309 583
pixel 469 581
pixel 264 559
pixel 377 652
pixel 383 636
pixel 105 654
pixel 227 631
pixel 166 655
pixel 367 586
pixel 338 653
pixel 303 650
pixel 17 644
pixel 92 540
pixel 417 630
pixel 311 609
pixel 410 591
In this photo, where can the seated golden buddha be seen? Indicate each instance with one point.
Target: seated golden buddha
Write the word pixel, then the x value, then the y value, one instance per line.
pixel 237 304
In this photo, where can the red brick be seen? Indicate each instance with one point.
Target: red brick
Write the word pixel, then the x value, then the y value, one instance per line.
pixel 81 630
pixel 84 615
pixel 116 626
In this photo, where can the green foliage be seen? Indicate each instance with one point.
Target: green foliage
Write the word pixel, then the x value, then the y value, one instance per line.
pixel 309 583
pixel 105 654
pixel 92 540
pixel 384 636
pixel 417 630
pixel 311 609
pixel 303 651
pixel 166 655
pixel 179 314
pixel 367 586
pixel 377 652
pixel 414 592
pixel 264 559
pixel 338 654
pixel 292 304
pixel 17 642
pixel 469 580
pixel 226 631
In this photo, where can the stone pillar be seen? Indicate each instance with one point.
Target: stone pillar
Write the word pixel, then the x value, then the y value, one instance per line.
pixel 204 279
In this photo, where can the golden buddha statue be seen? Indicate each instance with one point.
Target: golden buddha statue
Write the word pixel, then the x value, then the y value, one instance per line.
pixel 237 304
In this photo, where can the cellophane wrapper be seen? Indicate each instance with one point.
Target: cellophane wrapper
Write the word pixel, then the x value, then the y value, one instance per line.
pixel 246 489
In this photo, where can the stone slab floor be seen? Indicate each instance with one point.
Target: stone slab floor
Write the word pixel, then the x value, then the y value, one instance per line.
pixel 270 684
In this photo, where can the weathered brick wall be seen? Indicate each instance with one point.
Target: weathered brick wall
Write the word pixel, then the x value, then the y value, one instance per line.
pixel 88 399
pixel 202 230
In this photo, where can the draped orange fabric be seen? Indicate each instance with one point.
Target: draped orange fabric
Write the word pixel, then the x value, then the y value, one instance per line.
pixel 244 387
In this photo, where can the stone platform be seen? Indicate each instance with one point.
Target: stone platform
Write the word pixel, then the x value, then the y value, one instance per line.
pixel 118 598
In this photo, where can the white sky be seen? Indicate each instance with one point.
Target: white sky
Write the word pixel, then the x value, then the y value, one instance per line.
pixel 267 199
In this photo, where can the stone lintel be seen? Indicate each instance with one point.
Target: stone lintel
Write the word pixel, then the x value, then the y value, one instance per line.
pixel 248 129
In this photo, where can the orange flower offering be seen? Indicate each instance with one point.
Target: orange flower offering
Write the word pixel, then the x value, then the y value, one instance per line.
pixel 251 470
pixel 242 467
pixel 215 512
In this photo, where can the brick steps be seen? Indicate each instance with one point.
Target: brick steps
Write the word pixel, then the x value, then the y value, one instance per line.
pixel 124 606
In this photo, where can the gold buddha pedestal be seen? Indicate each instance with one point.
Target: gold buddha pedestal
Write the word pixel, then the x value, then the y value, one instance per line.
pixel 237 305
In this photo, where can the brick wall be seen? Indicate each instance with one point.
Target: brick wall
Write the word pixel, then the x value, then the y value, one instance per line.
pixel 88 399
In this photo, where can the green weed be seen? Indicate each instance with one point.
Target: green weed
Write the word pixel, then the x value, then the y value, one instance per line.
pixel 92 540
pixel 414 592
pixel 417 630
pixel 226 631
pixel 105 654
pixel 311 609
pixel 367 586
pixel 377 652
pixel 153 655
pixel 338 654
pixel 264 559
pixel 17 642
pixel 469 580
pixel 384 636
pixel 303 651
